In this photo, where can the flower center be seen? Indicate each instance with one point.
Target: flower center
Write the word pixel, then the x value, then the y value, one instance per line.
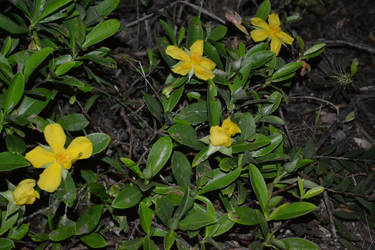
pixel 195 59
pixel 274 28
pixel 63 157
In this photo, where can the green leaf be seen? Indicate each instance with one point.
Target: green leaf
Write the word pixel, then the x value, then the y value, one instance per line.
pixel 132 166
pixel 35 60
pixel 61 233
pixel 220 180
pixel 244 216
pixel 293 210
pixel 132 244
pixel 213 54
pixel 259 186
pixel 214 105
pixel 128 197
pixel 99 141
pixel 67 191
pixel 145 215
pixel 275 100
pixel 104 8
pixel 5 67
pixel 14 93
pixel 313 192
pixel 264 10
pixel 164 210
pixel 100 32
pixel 258 58
pixel 218 33
pixel 149 244
pixel 169 239
pixel 51 7
pixel 17 233
pixel 286 70
pixel 6 244
pixel 196 220
pixel 247 125
pixel 94 240
pixel 170 32
pixel 163 43
pixel 257 141
pixel 15 144
pixel 9 161
pixel 272 119
pixel 223 225
pixel 354 67
pixel 181 169
pixel 10 26
pixel 314 51
pixel 195 31
pixel 64 68
pixel 186 135
pixel 276 139
pixel 299 243
pixel 153 106
pixel 194 113
pixel 73 122
pixel 89 220
pixel 170 103
pixel 159 155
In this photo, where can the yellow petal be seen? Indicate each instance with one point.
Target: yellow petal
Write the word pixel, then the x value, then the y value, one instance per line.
pixel 50 179
pixel 39 157
pixel 285 37
pixel 260 23
pixel 203 73
pixel 230 127
pixel 177 53
pixel 182 68
pixel 80 148
pixel 197 48
pixel 25 193
pixel 208 63
pixel 259 35
pixel 275 44
pixel 55 137
pixel 218 137
pixel 274 19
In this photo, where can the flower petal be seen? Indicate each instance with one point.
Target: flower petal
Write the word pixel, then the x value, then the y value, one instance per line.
pixel 259 35
pixel 274 19
pixel 80 148
pixel 285 37
pixel 25 193
pixel 50 179
pixel 230 127
pixel 177 53
pixel 260 23
pixel 208 63
pixel 55 137
pixel 39 157
pixel 203 73
pixel 182 68
pixel 218 137
pixel 275 44
pixel 197 48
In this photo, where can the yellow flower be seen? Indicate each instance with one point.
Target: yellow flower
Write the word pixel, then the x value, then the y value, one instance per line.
pixel 192 62
pixel 58 156
pixel 221 136
pixel 271 29
pixel 25 193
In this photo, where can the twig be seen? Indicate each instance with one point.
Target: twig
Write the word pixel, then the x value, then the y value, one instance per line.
pixel 337 43
pixel 316 99
pixel 291 142
pixel 329 211
pixel 204 11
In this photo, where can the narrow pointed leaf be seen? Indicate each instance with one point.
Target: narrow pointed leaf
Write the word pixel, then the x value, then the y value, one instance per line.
pixel 101 31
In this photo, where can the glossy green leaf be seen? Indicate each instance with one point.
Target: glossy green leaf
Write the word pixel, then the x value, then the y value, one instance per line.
pixel 223 225
pixel 149 244
pixel 17 233
pixel 286 70
pixel 258 58
pixel 51 7
pixel 164 210
pixel 257 141
pixel 220 180
pixel 214 105
pixel 276 139
pixel 104 8
pixel 293 210
pixel 89 220
pixel 169 239
pixel 196 220
pixel 61 233
pixel 67 191
pixel 170 103
pixel 94 240
pixel 213 54
pixel 6 244
pixel 299 243
pixel 159 155
pixel 264 10
pixel 170 32
pixel 272 119
pixel 5 67
pixel 186 135
pixel 35 60
pixel 247 125
pixel 100 32
pixel 132 244
pixel 73 122
pixel 195 31
pixel 244 216
pixel 194 113
pixel 100 141
pixel 153 106
pixel 313 192
pixel 9 161
pixel 259 186
pixel 14 93
pixel 132 166
pixel 128 197
pixel 314 51
pixel 15 144
pixel 163 43
pixel 181 169
pixel 275 100
pixel 10 26
pixel 64 68
pixel 145 215
pixel 218 33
